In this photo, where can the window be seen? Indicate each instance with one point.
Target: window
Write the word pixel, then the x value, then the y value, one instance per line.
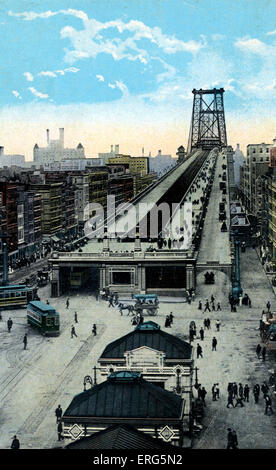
pixel 48 321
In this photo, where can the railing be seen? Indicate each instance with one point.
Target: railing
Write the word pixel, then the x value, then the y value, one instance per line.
pixel 132 255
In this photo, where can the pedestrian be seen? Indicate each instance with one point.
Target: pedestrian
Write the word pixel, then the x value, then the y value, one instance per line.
pixel 9 324
pixel 167 322
pixel 205 324
pixel 76 317
pixel 230 400
pixel 67 303
pixel 200 305
pixel 59 431
pixel 217 390
pixel 230 440
pixel 268 306
pixel 193 295
pixel 218 325
pixel 58 413
pixel 264 389
pixel 256 392
pixel 258 351
pixel 264 353
pixel 239 402
pixel 212 298
pixel 201 332
pixel 249 302
pixel 218 307
pixel 25 341
pixel 208 323
pixel 199 351
pixel 47 302
pixel 73 332
pixel 213 307
pixel 240 390
pixel 214 395
pixel 94 330
pixel 203 395
pixel 246 392
pixel 207 306
pixel 214 344
pixel 110 300
pixel 171 317
pixel 235 389
pixel 15 443
pixel 268 404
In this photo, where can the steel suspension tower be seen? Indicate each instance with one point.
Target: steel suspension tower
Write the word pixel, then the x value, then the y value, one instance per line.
pixel 208 129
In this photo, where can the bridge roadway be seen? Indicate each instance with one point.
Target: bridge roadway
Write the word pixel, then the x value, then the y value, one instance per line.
pixel 171 188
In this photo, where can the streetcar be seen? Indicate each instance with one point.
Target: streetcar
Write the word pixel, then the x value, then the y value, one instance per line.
pixel 44 317
pixel 15 296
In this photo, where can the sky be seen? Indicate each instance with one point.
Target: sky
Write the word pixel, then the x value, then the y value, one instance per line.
pixel 122 71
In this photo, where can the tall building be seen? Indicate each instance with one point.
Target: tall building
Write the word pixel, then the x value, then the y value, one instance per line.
pixel 256 164
pixel 55 151
pixel 9 160
pixel 239 161
pixel 161 164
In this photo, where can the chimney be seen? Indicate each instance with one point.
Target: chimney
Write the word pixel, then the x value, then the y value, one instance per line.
pixel 48 136
pixel 1 150
pixel 111 151
pixel 61 136
pixel 116 149
pixel 143 151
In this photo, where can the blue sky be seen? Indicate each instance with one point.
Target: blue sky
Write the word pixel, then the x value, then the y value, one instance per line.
pixel 115 65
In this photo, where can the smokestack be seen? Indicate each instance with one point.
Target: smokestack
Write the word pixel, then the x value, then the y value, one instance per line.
pixel 61 136
pixel 1 150
pixel 143 151
pixel 48 136
pixel 116 149
pixel 111 151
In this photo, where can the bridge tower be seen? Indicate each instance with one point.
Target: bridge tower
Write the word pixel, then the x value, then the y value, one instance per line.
pixel 208 128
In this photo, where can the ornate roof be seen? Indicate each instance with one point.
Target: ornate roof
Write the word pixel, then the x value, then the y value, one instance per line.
pixel 125 395
pixel 151 336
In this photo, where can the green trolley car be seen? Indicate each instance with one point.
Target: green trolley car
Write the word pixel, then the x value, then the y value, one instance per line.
pixel 43 317
pixel 14 296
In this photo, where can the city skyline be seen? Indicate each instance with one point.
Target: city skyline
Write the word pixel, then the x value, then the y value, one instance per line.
pixel 123 72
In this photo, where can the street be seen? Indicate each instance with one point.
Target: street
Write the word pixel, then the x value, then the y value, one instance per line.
pixel 51 370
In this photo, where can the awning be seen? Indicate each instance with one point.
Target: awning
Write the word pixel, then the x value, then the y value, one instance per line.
pixel 55 239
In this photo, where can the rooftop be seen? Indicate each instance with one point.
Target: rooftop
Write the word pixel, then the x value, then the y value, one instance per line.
pixel 125 395
pixel 152 337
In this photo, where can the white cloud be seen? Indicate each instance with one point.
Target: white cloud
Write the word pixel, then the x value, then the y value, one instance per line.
pixel 53 74
pixel 88 42
pixel 271 33
pixel 255 46
pixel 31 15
pixel 100 78
pixel 121 86
pixel 47 73
pixel 16 94
pixel 28 76
pixel 38 94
